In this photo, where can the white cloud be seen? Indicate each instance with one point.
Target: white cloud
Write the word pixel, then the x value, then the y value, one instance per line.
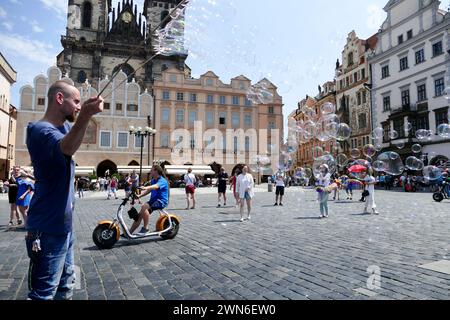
pixel 60 6
pixel 35 26
pixel 31 50
pixel 2 12
pixel 8 26
pixel 376 17
pixel 15 1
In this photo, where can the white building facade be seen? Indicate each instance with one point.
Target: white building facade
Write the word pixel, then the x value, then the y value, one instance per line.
pixel 409 72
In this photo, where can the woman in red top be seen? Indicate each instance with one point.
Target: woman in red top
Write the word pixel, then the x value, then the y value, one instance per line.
pixel 233 181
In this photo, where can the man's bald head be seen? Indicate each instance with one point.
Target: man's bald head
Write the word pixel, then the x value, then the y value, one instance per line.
pixel 59 87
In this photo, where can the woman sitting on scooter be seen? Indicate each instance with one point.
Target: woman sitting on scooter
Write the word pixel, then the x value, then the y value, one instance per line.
pixel 159 198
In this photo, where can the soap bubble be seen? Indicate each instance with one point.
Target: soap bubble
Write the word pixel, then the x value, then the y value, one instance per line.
pixel 431 173
pixel 423 134
pixel 379 166
pixel 416 148
pixel 392 163
pixel 355 153
pixel 326 159
pixel 412 163
pixel 285 162
pixel 343 132
pixel 443 131
pixel 307 173
pixel 399 145
pixel 393 135
pixel 377 133
pixel 317 152
pixel 260 163
pixel 327 108
pixel 342 160
pixel 369 150
pixel 260 93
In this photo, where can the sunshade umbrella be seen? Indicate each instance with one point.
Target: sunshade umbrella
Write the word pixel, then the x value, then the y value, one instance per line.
pixel 357 169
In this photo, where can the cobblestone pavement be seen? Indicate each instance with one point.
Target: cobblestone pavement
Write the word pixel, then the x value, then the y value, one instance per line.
pixel 282 253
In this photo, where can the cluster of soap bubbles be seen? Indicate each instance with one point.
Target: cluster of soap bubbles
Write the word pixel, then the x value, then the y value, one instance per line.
pixel 260 93
pixel 260 163
pixel 169 40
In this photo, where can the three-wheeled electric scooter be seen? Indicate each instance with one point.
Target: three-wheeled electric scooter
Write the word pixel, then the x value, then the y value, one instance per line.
pixel 107 233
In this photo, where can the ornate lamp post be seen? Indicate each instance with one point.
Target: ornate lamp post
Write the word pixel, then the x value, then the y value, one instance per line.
pixel 142 133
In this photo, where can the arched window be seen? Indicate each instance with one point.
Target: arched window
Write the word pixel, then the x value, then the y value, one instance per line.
pixel 127 69
pixel 81 76
pixel 87 15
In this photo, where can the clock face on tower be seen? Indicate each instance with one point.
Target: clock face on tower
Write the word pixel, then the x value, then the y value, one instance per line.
pixel 127 17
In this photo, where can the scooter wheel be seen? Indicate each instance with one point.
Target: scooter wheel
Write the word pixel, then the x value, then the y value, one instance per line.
pixel 438 197
pixel 172 233
pixel 104 237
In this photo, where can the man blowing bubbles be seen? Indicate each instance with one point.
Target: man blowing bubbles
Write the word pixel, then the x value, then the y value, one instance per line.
pixel 52 142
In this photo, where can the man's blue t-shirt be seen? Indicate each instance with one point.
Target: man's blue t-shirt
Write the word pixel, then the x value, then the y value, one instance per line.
pixel 162 194
pixel 52 205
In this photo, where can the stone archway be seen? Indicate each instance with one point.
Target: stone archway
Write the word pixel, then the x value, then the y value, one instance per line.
pixel 133 163
pixel 105 166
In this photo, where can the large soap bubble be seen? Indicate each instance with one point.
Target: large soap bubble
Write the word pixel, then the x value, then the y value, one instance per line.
pixel 443 131
pixel 431 173
pixel 343 132
pixel 326 159
pixel 369 150
pixel 412 163
pixel 392 163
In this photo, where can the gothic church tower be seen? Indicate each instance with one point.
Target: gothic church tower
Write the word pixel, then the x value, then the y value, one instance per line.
pixel 100 37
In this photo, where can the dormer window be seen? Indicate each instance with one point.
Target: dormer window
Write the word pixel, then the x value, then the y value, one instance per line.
pixel 350 59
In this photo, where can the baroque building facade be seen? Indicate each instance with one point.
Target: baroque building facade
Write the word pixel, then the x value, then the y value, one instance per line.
pixel 353 91
pixel 410 70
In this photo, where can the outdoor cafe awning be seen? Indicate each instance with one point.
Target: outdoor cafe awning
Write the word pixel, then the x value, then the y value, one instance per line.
pixel 84 171
pixel 197 170
pixel 129 169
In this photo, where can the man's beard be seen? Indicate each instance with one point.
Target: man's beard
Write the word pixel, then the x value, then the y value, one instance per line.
pixel 71 118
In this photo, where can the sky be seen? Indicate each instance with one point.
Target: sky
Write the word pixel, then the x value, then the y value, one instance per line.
pixel 294 44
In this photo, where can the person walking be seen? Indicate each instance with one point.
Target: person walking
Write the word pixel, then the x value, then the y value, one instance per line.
pixel 79 188
pixel 190 180
pixel 233 182
pixel 12 196
pixel 244 187
pixel 279 190
pixel 113 183
pixel 52 142
pixel 24 194
pixel 222 179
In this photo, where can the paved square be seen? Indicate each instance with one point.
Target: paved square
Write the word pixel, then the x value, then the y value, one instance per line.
pixel 282 253
pixel 442 266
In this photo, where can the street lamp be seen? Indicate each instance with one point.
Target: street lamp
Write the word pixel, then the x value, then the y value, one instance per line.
pixel 142 133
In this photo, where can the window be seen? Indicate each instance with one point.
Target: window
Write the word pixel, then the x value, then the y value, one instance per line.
pixel 41 102
pixel 210 118
pixel 222 118
pixel 248 103
pixel 364 97
pixel 403 63
pixel 192 143
pixel 105 139
pixel 362 120
pixel 180 116
pixel 180 96
pixel 223 100
pixel 107 106
pixel 166 95
pixel 385 72
pixel 122 140
pixel 409 34
pixel 247 144
pixel 441 117
pixel 193 97
pixel 132 107
pixel 248 119
pixel 235 144
pixel 192 117
pixel 355 77
pixel 421 92
pixel 87 15
pixel 363 73
pixel 235 100
pixel 399 127
pixel 420 122
pixel 137 141
pixel 437 49
pixel 272 125
pixel 271 110
pixel 350 59
pixel 439 87
pixel 209 82
pixel 164 140
pixel 81 77
pixel 386 103
pixel 165 115
pixel 173 78
pixel 358 98
pixel 400 39
pixel 420 56
pixel 210 99
pixel 235 119
pixel 118 107
pixel 405 98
